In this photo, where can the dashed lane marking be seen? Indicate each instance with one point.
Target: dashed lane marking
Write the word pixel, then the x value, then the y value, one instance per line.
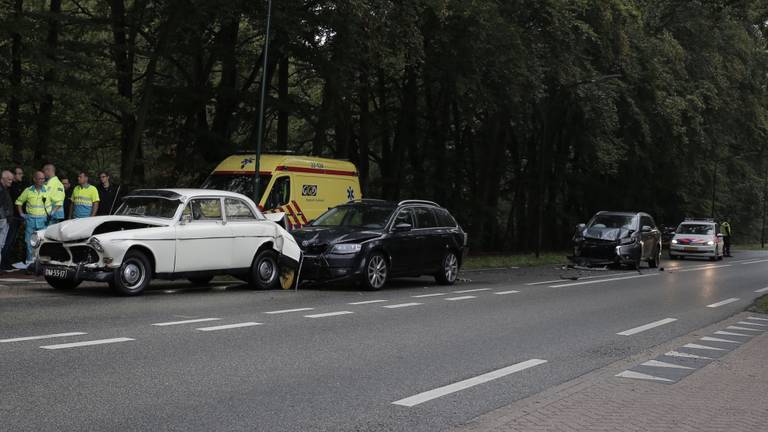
pixel 191 321
pixel 228 326
pixel 329 314
pixel 460 298
pixel 401 305
pixel 368 302
pixel 761 290
pixel 288 311
pixel 703 268
pixel 757 319
pixel 752 323
pixel 471 290
pixel 507 292
pixel 724 302
pixel 29 338
pixel 87 343
pixel 641 376
pixel 754 262
pixel 743 329
pixel 661 364
pixel 686 355
pixel 581 278
pixel 603 280
pixel 465 384
pixel 645 327
pixel 714 339
pixel 725 333
pixel 702 347
pixel 429 295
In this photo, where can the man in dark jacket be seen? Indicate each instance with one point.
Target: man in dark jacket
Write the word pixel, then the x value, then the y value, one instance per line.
pixel 6 207
pixel 109 195
pixel 9 250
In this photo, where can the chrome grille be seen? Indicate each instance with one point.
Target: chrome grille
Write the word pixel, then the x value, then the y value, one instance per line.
pixel 54 252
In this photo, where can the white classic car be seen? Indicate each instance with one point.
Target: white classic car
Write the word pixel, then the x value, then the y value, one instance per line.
pixel 169 234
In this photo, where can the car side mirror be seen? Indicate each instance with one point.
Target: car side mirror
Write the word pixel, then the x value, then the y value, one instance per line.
pixel 581 226
pixel 403 227
pixel 647 228
pixel 185 219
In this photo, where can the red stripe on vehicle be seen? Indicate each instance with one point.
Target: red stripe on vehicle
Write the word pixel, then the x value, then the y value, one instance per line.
pixel 243 171
pixel 295 218
pixel 316 170
pixel 301 213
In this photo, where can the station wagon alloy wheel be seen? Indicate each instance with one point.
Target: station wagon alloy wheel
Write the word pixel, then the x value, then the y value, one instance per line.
pixel 450 270
pixel 376 271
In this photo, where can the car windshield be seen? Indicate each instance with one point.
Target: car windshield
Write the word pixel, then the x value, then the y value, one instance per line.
pixel 358 216
pixel 148 207
pixel 696 229
pixel 611 221
pixel 240 183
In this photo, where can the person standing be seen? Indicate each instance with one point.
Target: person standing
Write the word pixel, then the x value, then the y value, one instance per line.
pixel 85 199
pixel 725 229
pixel 67 194
pixel 38 209
pixel 6 207
pixel 108 194
pixel 55 193
pixel 14 224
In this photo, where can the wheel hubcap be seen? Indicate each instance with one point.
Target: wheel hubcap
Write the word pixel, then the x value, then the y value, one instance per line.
pixel 451 267
pixel 132 274
pixel 266 270
pixel 377 271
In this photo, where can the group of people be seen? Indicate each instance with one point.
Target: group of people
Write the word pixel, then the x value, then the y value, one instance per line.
pixel 48 200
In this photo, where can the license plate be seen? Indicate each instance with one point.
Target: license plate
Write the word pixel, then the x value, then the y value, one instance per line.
pixel 58 273
pixel 690 249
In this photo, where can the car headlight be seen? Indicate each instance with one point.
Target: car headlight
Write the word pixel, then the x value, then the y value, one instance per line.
pixel 35 241
pixel 710 243
pixel 96 244
pixel 346 248
pixel 674 241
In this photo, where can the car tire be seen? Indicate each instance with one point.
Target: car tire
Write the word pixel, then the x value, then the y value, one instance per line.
pixel 62 284
pixel 134 274
pixel 265 273
pixel 201 281
pixel 654 261
pixel 375 272
pixel 450 269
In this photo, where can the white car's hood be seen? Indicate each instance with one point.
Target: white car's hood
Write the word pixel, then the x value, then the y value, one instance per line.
pixel 80 229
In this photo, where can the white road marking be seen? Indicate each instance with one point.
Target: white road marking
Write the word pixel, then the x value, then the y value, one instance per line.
pixel 29 338
pixel 713 339
pixel 581 278
pixel 163 324
pixel 642 376
pixel 17 280
pixel 329 314
pixel 603 280
pixel 429 295
pixel 229 326
pixel 645 327
pixel 743 328
pixel 754 262
pixel 465 384
pixel 401 305
pixel 725 333
pixel 757 319
pixel 471 290
pixel 724 302
pixel 661 364
pixel 507 292
pixel 751 323
pixel 704 268
pixel 86 343
pixel 762 290
pixel 702 347
pixel 460 298
pixel 368 302
pixel 686 355
pixel 288 311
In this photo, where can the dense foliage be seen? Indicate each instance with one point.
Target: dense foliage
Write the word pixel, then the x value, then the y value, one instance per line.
pixel 522 117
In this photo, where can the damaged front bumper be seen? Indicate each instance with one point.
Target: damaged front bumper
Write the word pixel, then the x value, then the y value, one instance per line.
pixel 80 272
pixel 588 254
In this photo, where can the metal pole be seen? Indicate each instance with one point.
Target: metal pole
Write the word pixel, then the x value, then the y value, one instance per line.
pixel 259 137
pixel 714 185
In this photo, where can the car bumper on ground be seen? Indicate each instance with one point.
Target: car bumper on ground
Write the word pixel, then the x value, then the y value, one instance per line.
pixel 73 272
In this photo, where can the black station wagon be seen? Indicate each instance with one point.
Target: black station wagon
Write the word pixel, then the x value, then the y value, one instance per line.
pixel 372 241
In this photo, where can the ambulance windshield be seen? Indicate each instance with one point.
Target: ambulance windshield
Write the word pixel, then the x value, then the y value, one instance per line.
pixel 240 183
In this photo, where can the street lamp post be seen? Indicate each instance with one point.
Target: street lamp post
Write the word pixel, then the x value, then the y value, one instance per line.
pixel 260 136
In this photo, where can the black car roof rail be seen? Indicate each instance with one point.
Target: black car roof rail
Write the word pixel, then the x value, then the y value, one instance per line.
pixel 418 202
pixel 367 200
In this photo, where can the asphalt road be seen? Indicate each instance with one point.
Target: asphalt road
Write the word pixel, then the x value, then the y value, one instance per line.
pixel 439 358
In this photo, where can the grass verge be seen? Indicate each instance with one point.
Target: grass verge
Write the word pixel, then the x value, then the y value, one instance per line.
pixel 760 305
pixel 521 260
pixel 748 246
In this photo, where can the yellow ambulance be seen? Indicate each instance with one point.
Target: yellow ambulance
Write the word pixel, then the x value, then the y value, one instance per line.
pixel 302 187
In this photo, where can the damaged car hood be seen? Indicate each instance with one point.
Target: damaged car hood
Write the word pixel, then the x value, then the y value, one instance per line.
pixel 330 236
pixel 607 233
pixel 80 229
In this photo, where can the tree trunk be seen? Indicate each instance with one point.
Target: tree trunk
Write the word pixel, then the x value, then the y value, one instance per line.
pixel 14 105
pixel 49 78
pixel 227 97
pixel 282 92
pixel 364 135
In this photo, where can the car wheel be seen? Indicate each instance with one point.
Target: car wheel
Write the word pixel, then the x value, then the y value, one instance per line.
pixel 62 284
pixel 201 281
pixel 654 261
pixel 376 272
pixel 264 271
pixel 450 271
pixel 134 274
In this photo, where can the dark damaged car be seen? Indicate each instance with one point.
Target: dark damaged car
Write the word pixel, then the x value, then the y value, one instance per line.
pixel 372 241
pixel 617 238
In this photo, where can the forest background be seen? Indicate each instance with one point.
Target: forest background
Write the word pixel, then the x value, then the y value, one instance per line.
pixel 521 117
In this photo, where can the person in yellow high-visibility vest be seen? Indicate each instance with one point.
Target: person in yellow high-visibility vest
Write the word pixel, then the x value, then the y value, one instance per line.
pixel 38 209
pixel 55 193
pixel 85 198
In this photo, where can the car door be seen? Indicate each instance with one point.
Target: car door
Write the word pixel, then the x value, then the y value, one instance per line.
pixel 649 238
pixel 403 246
pixel 248 232
pixel 430 241
pixel 203 241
